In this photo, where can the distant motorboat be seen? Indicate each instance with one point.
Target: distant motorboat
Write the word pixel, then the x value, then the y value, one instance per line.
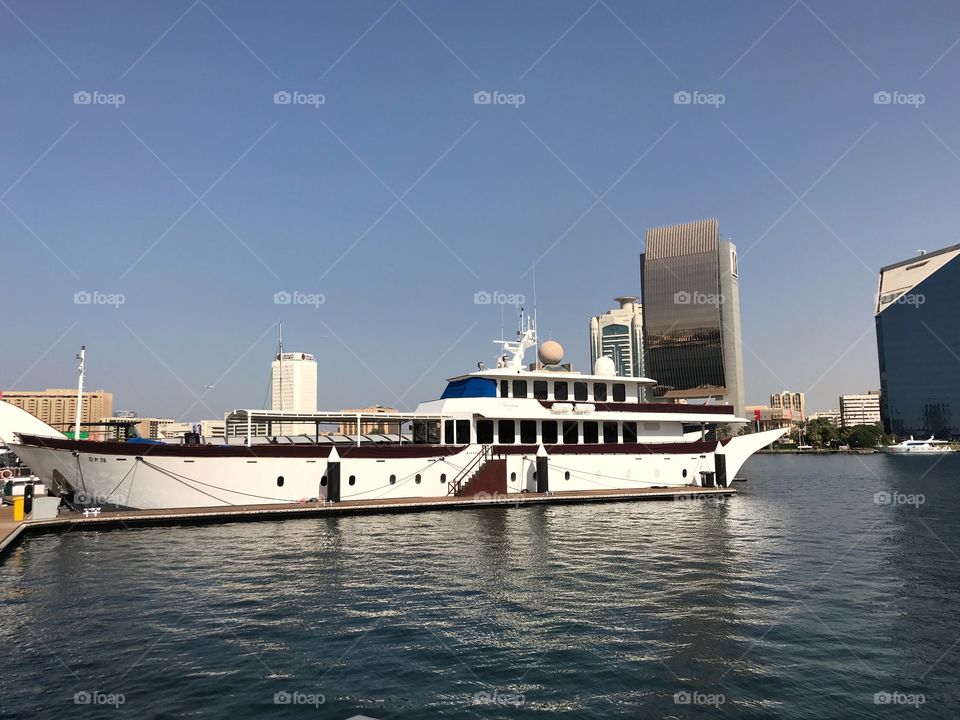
pixel 912 446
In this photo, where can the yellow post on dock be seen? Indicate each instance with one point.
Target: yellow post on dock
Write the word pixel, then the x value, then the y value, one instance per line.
pixel 18 509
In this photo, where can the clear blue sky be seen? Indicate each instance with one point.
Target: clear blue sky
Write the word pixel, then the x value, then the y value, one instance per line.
pixel 102 198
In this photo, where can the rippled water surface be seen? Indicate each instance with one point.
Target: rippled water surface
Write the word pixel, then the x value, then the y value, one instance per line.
pixel 825 582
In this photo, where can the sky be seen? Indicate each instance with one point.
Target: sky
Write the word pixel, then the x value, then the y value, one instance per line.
pixel 178 177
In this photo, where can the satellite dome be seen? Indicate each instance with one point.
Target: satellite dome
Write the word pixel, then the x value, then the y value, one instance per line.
pixel 551 353
pixel 604 366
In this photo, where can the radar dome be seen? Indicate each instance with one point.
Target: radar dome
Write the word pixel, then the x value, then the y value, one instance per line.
pixel 604 366
pixel 551 353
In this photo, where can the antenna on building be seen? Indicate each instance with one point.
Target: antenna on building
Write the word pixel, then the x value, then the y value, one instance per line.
pixel 280 360
pixel 81 356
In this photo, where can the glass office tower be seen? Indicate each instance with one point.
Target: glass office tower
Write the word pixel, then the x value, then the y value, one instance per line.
pixel 918 345
pixel 691 313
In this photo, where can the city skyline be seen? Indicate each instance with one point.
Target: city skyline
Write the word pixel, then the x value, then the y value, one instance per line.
pixel 170 231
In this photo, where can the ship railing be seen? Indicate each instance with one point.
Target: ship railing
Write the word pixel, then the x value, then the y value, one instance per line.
pixel 469 469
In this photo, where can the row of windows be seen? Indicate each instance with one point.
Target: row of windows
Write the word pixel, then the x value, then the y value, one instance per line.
pixel 353 480
pixel 561 390
pixel 569 432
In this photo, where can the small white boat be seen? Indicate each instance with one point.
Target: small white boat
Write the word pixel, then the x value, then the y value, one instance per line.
pixel 912 446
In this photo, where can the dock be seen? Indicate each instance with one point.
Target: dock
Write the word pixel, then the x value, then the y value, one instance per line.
pixel 11 531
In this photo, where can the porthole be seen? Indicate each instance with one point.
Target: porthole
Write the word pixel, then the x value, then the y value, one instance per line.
pixel 443 478
pixel 417 480
pixel 513 476
pixel 280 481
pixel 353 480
pixel 393 479
pixel 566 475
pixel 323 481
pixel 684 472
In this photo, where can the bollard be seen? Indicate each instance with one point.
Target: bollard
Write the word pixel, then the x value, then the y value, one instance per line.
pixel 543 470
pixel 18 509
pixel 28 498
pixel 333 476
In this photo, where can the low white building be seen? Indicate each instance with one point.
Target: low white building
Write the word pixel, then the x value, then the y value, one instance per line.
pixel 860 409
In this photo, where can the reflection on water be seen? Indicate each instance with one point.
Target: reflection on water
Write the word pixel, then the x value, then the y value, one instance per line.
pixel 803 596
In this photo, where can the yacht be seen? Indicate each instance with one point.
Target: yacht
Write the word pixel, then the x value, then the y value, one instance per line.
pixel 512 428
pixel 918 447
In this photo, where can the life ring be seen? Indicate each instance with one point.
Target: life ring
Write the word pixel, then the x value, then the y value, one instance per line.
pixel 6 474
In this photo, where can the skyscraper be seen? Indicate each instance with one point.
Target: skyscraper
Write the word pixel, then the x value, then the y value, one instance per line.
pixel 618 334
pixel 918 343
pixel 691 313
pixel 294 382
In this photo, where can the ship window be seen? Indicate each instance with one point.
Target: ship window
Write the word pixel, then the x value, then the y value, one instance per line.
pixel 610 435
pixel 393 479
pixel 280 481
pixel 566 475
pixel 548 431
pixel 463 432
pixel 505 431
pixel 619 392
pixel 426 432
pixel 684 472
pixel 579 391
pixel 591 432
pixel 448 431
pixel 485 432
pixel 417 481
pixel 323 481
pixel 504 388
pixel 519 388
pixel 629 432
pixel 528 432
pixel 600 392
pixel 443 478
pixel 560 391
pixel 540 389
pixel 513 477
pixel 571 434
pixel 353 480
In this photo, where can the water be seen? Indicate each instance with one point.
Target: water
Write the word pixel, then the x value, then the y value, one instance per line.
pixel 802 597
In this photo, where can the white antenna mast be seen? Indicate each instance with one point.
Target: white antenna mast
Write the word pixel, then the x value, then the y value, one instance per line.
pixel 280 362
pixel 535 325
pixel 81 357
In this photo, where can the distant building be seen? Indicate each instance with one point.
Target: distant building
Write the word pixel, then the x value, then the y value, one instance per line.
pixel 770 418
pixel 832 416
pixel 294 385
pixel 58 407
pixel 794 402
pixel 150 428
pixel 370 427
pixel 691 313
pixel 618 335
pixel 860 409
pixel 918 339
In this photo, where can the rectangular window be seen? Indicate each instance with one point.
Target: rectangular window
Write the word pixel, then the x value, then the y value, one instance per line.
pixel 519 388
pixel 540 389
pixel 600 392
pixel 560 391
pixel 619 392
pixel 591 432
pixel 505 432
pixel 504 388
pixel 528 432
pixel 448 431
pixel 571 434
pixel 629 432
pixel 579 391
pixel 548 431
pixel 485 432
pixel 610 433
pixel 463 432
